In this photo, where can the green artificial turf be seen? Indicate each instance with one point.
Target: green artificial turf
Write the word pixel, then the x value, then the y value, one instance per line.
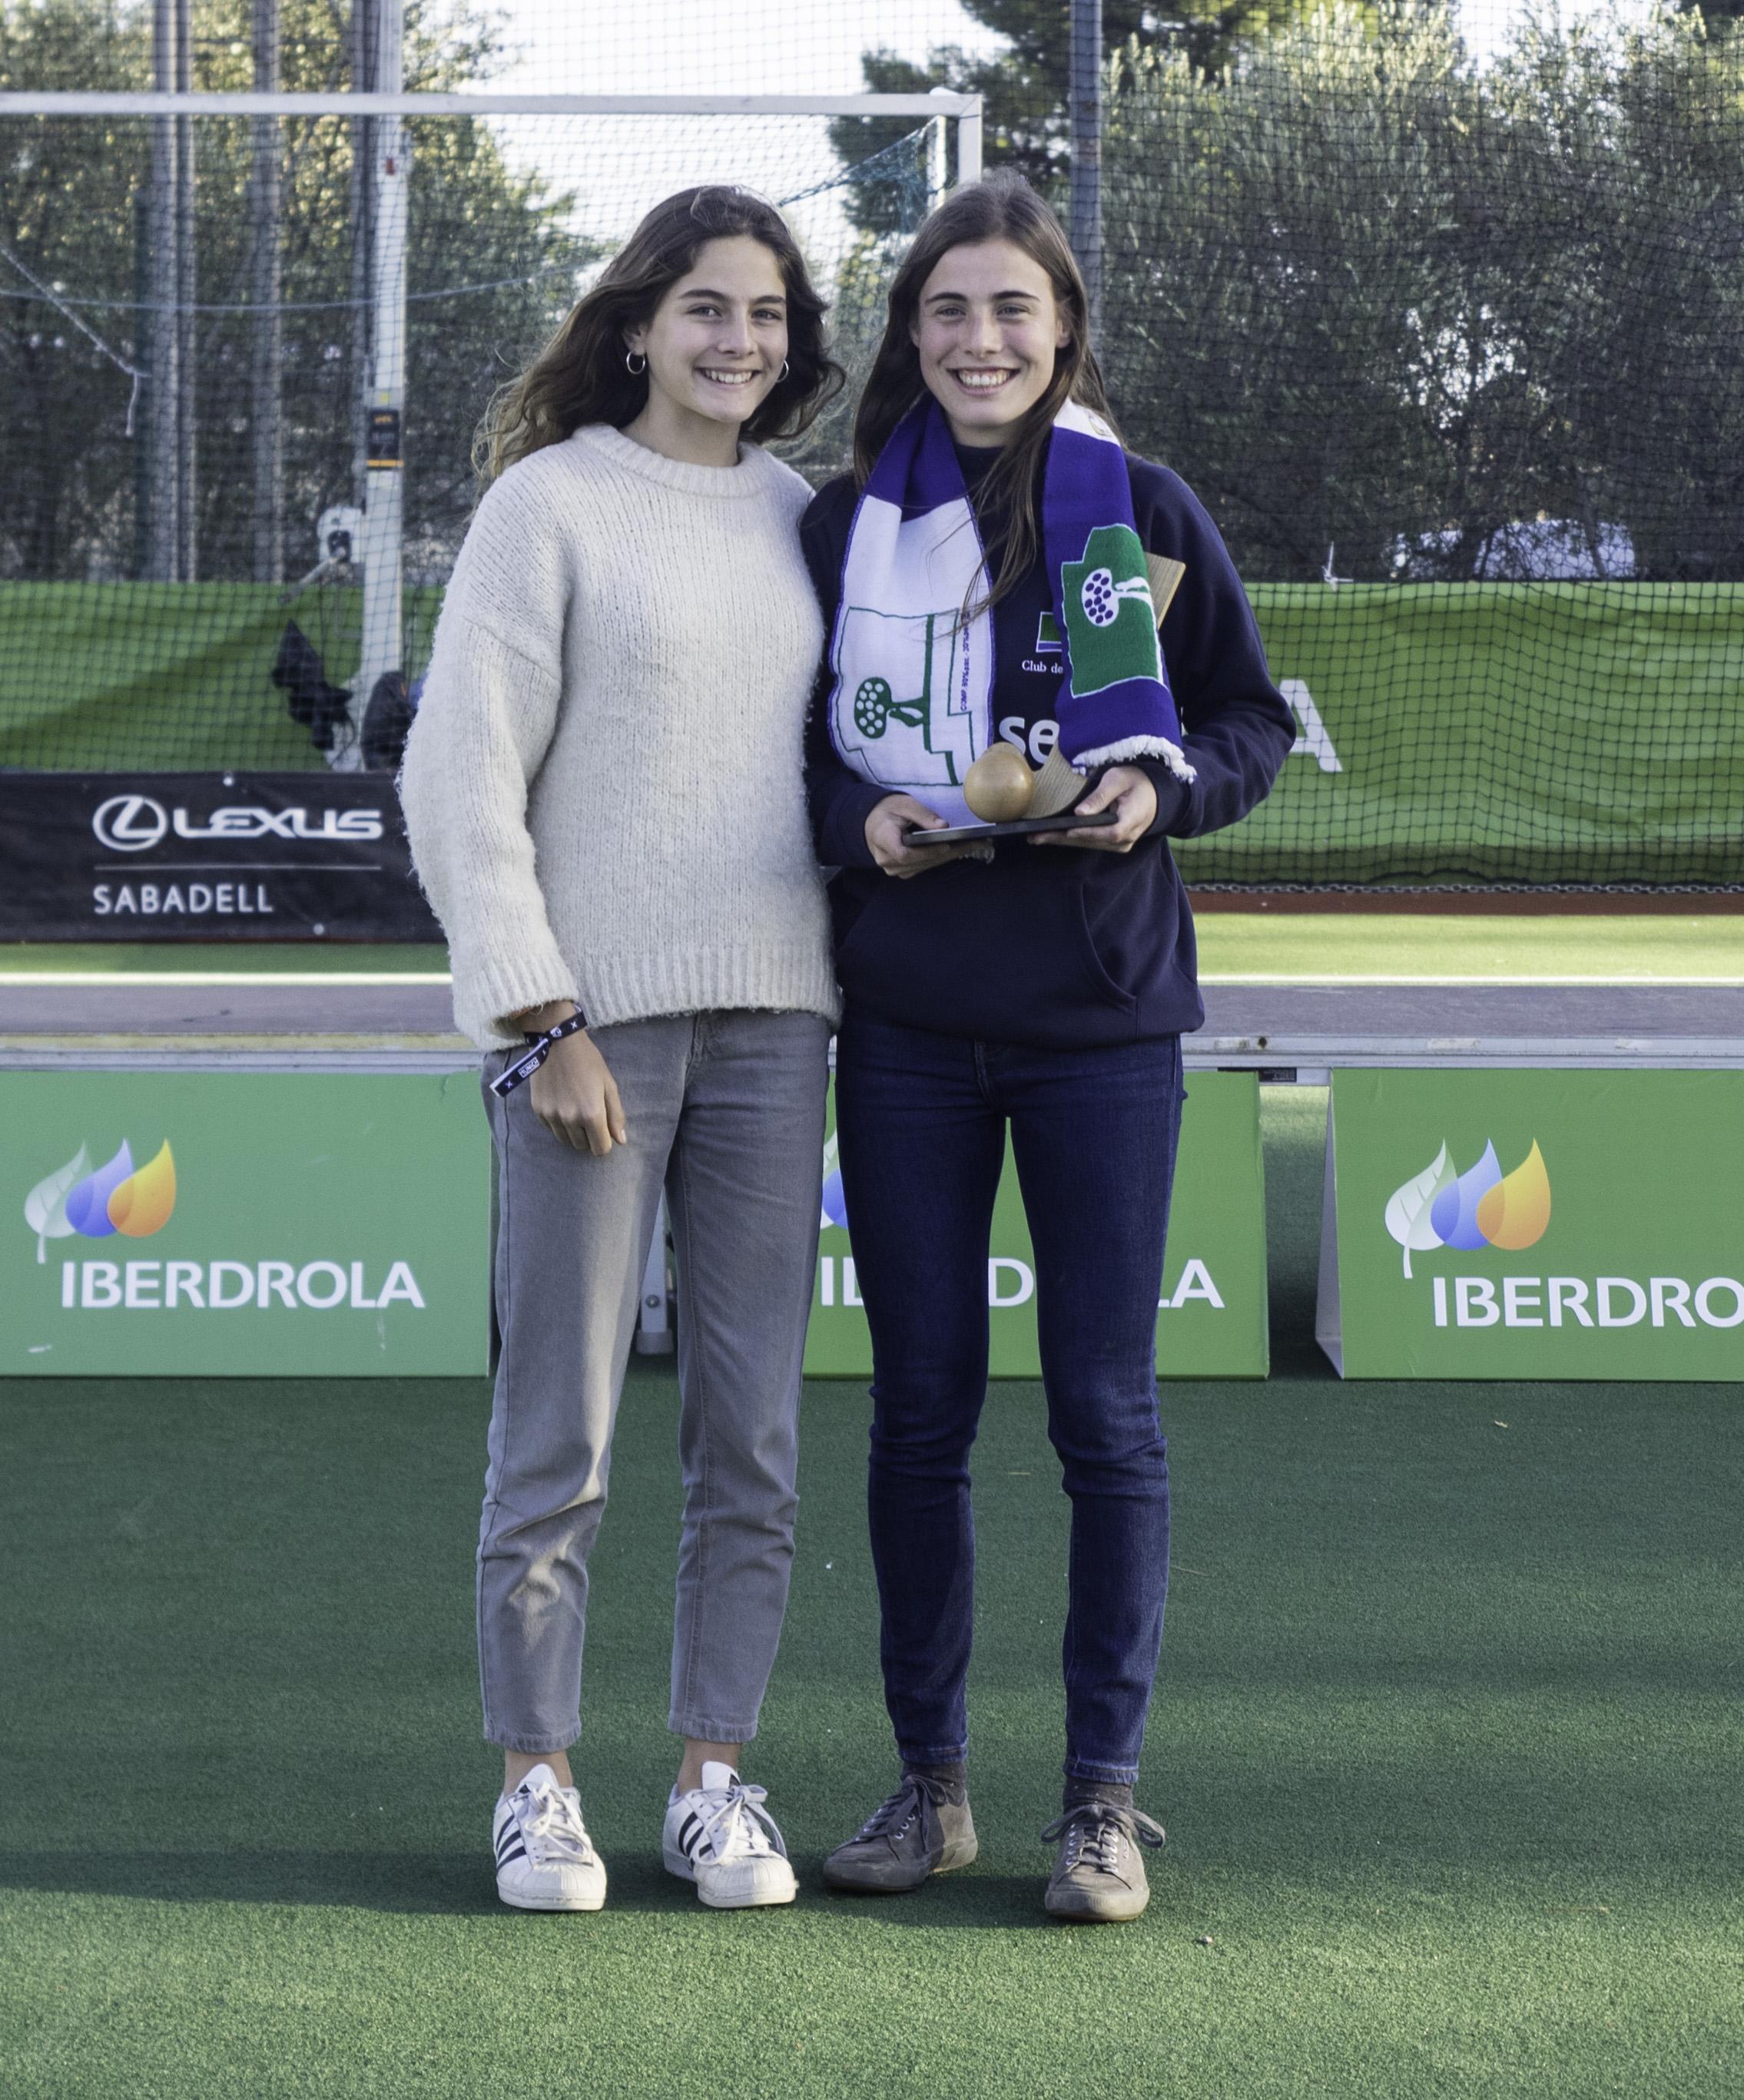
pixel 73 960
pixel 1320 948
pixel 1446 1741
pixel 1357 947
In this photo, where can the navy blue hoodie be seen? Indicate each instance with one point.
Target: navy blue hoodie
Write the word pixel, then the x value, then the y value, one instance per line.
pixel 1058 946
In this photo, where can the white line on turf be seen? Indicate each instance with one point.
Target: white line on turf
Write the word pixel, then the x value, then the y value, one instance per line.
pixel 1544 981
pixel 380 980
pixel 235 980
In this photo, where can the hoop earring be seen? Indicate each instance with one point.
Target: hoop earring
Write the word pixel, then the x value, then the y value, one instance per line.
pixel 784 372
pixel 634 370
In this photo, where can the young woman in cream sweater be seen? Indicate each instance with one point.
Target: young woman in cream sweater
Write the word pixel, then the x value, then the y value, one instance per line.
pixel 605 797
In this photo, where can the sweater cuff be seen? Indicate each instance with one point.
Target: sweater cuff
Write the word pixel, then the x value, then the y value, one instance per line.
pixel 487 992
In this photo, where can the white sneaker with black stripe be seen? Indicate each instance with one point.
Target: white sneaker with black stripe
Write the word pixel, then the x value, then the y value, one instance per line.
pixel 720 1835
pixel 545 1860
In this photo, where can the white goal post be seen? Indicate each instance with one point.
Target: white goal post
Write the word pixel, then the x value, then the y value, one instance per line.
pixel 381 549
pixel 940 103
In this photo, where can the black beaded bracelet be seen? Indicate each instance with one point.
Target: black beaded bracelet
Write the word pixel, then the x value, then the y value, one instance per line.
pixel 541 1041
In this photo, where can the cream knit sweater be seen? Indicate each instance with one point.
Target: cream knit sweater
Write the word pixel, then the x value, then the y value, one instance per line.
pixel 604 786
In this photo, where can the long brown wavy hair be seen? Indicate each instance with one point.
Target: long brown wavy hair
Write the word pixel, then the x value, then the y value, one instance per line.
pixel 1002 206
pixel 580 376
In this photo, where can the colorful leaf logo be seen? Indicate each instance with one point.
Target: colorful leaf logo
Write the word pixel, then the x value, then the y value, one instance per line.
pixel 1408 1207
pixel 834 1204
pixel 113 1198
pixel 1516 1212
pixel 1481 1207
pixel 141 1205
pixel 88 1205
pixel 1454 1213
pixel 46 1206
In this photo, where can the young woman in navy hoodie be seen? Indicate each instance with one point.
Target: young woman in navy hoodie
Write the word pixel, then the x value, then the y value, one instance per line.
pixel 1042 983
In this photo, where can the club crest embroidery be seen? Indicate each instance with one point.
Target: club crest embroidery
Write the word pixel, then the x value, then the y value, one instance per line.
pixel 1110 622
pixel 902 706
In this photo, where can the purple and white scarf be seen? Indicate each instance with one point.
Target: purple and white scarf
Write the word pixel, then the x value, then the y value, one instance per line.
pixel 911 707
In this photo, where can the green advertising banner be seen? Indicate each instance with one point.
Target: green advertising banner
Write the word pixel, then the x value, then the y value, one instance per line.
pixel 1211 1319
pixel 243 1224
pixel 1533 1224
pixel 1495 730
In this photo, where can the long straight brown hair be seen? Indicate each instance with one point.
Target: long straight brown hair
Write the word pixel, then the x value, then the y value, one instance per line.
pixel 1002 206
pixel 580 376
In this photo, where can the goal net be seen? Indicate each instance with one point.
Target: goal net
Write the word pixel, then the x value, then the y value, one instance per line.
pixel 243 358
pixel 1447 343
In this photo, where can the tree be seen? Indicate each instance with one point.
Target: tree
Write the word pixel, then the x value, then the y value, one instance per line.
pixel 1024 87
pixel 493 261
pixel 1624 153
pixel 1365 295
pixel 66 223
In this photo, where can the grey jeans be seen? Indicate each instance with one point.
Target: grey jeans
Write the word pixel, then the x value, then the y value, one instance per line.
pixel 727 1110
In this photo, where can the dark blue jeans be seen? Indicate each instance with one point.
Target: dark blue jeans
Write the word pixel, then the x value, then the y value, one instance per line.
pixel 920 1121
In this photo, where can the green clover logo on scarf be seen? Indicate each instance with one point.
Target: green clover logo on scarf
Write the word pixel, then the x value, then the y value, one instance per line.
pixel 1110 624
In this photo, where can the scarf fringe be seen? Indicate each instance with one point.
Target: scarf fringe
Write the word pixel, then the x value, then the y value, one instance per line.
pixel 1130 747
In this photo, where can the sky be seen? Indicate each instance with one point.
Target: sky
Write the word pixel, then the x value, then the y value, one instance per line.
pixel 752 48
pixel 618 165
pixel 787 47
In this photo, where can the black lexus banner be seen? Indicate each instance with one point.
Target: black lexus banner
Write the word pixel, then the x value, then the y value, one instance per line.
pixel 206 857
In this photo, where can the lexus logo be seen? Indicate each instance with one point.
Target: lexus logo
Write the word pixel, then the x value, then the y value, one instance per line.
pixel 129 823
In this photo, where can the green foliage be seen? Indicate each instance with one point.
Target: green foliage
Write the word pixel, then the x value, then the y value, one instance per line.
pixel 72 194
pixel 1024 88
pixel 66 212
pixel 1364 294
pixel 856 318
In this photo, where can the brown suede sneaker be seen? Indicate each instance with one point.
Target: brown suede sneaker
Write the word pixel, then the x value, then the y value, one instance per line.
pixel 919 1831
pixel 1098 1875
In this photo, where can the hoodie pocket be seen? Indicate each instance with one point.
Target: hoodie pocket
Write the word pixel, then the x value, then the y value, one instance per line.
pixel 1095 968
pixel 986 951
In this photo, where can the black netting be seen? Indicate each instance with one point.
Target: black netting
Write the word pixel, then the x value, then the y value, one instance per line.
pixel 1451 353
pixel 1445 333
pixel 174 598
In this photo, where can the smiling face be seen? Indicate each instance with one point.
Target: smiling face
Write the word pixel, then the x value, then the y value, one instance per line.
pixel 716 344
pixel 987 328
